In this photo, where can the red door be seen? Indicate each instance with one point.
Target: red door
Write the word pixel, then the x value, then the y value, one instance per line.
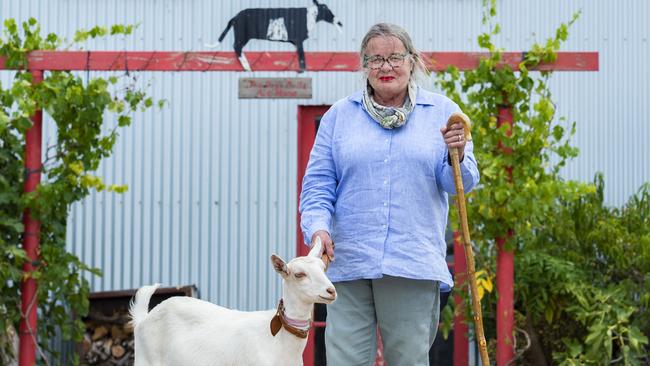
pixel 308 121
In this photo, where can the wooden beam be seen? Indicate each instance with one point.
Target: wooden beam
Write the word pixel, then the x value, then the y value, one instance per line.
pixel 270 61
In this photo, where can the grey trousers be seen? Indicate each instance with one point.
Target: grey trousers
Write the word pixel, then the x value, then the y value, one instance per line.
pixel 405 310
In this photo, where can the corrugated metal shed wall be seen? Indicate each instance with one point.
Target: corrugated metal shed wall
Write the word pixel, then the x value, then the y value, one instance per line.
pixel 213 178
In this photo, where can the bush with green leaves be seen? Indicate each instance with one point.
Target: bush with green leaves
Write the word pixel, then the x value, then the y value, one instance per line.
pixel 79 110
pixel 584 281
pixel 581 269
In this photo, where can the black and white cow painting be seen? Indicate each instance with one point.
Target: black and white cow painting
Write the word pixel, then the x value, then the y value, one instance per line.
pixel 277 24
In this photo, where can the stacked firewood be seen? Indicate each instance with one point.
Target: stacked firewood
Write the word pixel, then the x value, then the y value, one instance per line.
pixel 108 340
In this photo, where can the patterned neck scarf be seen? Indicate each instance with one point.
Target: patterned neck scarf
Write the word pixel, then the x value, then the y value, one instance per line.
pixel 389 117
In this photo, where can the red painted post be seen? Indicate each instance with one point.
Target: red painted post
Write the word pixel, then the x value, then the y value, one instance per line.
pixel 379 357
pixel 505 275
pixel 29 301
pixel 461 330
pixel 505 303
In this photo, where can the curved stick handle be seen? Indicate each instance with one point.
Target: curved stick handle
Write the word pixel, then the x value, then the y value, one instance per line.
pixel 458 117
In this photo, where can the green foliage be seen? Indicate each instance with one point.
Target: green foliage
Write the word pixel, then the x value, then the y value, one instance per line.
pixel 97 31
pixel 78 109
pixel 517 199
pixel 588 266
pixel 581 268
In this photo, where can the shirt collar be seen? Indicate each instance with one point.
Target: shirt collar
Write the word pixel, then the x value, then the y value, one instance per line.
pixel 423 97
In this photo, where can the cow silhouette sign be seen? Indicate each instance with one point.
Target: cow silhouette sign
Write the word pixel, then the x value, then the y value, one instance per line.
pixel 291 25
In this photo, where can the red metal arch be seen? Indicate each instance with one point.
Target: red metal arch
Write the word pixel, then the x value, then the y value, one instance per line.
pixel 40 61
pixel 273 61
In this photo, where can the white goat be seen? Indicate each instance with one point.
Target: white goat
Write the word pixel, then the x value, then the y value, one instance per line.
pixel 189 331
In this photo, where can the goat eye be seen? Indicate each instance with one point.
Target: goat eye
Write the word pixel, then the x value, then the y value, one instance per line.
pixel 300 275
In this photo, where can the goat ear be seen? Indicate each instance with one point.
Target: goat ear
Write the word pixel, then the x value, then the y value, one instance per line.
pixel 316 2
pixel 317 249
pixel 279 265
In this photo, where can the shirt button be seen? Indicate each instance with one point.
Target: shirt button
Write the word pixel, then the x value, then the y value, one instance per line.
pixel 385 160
pixel 385 203
pixel 386 140
pixel 386 181
pixel 384 226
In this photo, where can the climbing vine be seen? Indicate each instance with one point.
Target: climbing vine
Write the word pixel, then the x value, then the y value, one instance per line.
pixel 79 109
pixel 566 310
pixel 515 161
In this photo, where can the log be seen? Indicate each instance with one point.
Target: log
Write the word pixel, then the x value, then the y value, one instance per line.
pixel 117 351
pixel 86 343
pixel 106 346
pixel 99 332
pixel 108 340
pixel 118 333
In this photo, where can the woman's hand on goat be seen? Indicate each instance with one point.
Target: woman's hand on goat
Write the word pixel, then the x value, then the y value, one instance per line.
pixel 328 244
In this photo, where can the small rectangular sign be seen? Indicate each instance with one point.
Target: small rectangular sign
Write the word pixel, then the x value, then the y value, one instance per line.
pixel 275 88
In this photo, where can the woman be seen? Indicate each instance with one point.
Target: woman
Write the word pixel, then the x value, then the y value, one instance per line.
pixel 377 184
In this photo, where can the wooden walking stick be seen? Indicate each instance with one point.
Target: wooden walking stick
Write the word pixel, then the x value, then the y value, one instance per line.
pixel 458 117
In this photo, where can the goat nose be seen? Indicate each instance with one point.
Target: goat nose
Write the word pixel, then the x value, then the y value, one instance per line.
pixel 331 291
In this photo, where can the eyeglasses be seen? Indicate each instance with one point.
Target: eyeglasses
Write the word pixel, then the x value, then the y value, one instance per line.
pixel 377 62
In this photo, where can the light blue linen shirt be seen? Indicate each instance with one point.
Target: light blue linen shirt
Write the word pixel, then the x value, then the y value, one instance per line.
pixel 382 194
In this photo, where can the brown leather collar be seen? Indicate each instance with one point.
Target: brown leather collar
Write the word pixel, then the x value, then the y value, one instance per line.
pixel 279 321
